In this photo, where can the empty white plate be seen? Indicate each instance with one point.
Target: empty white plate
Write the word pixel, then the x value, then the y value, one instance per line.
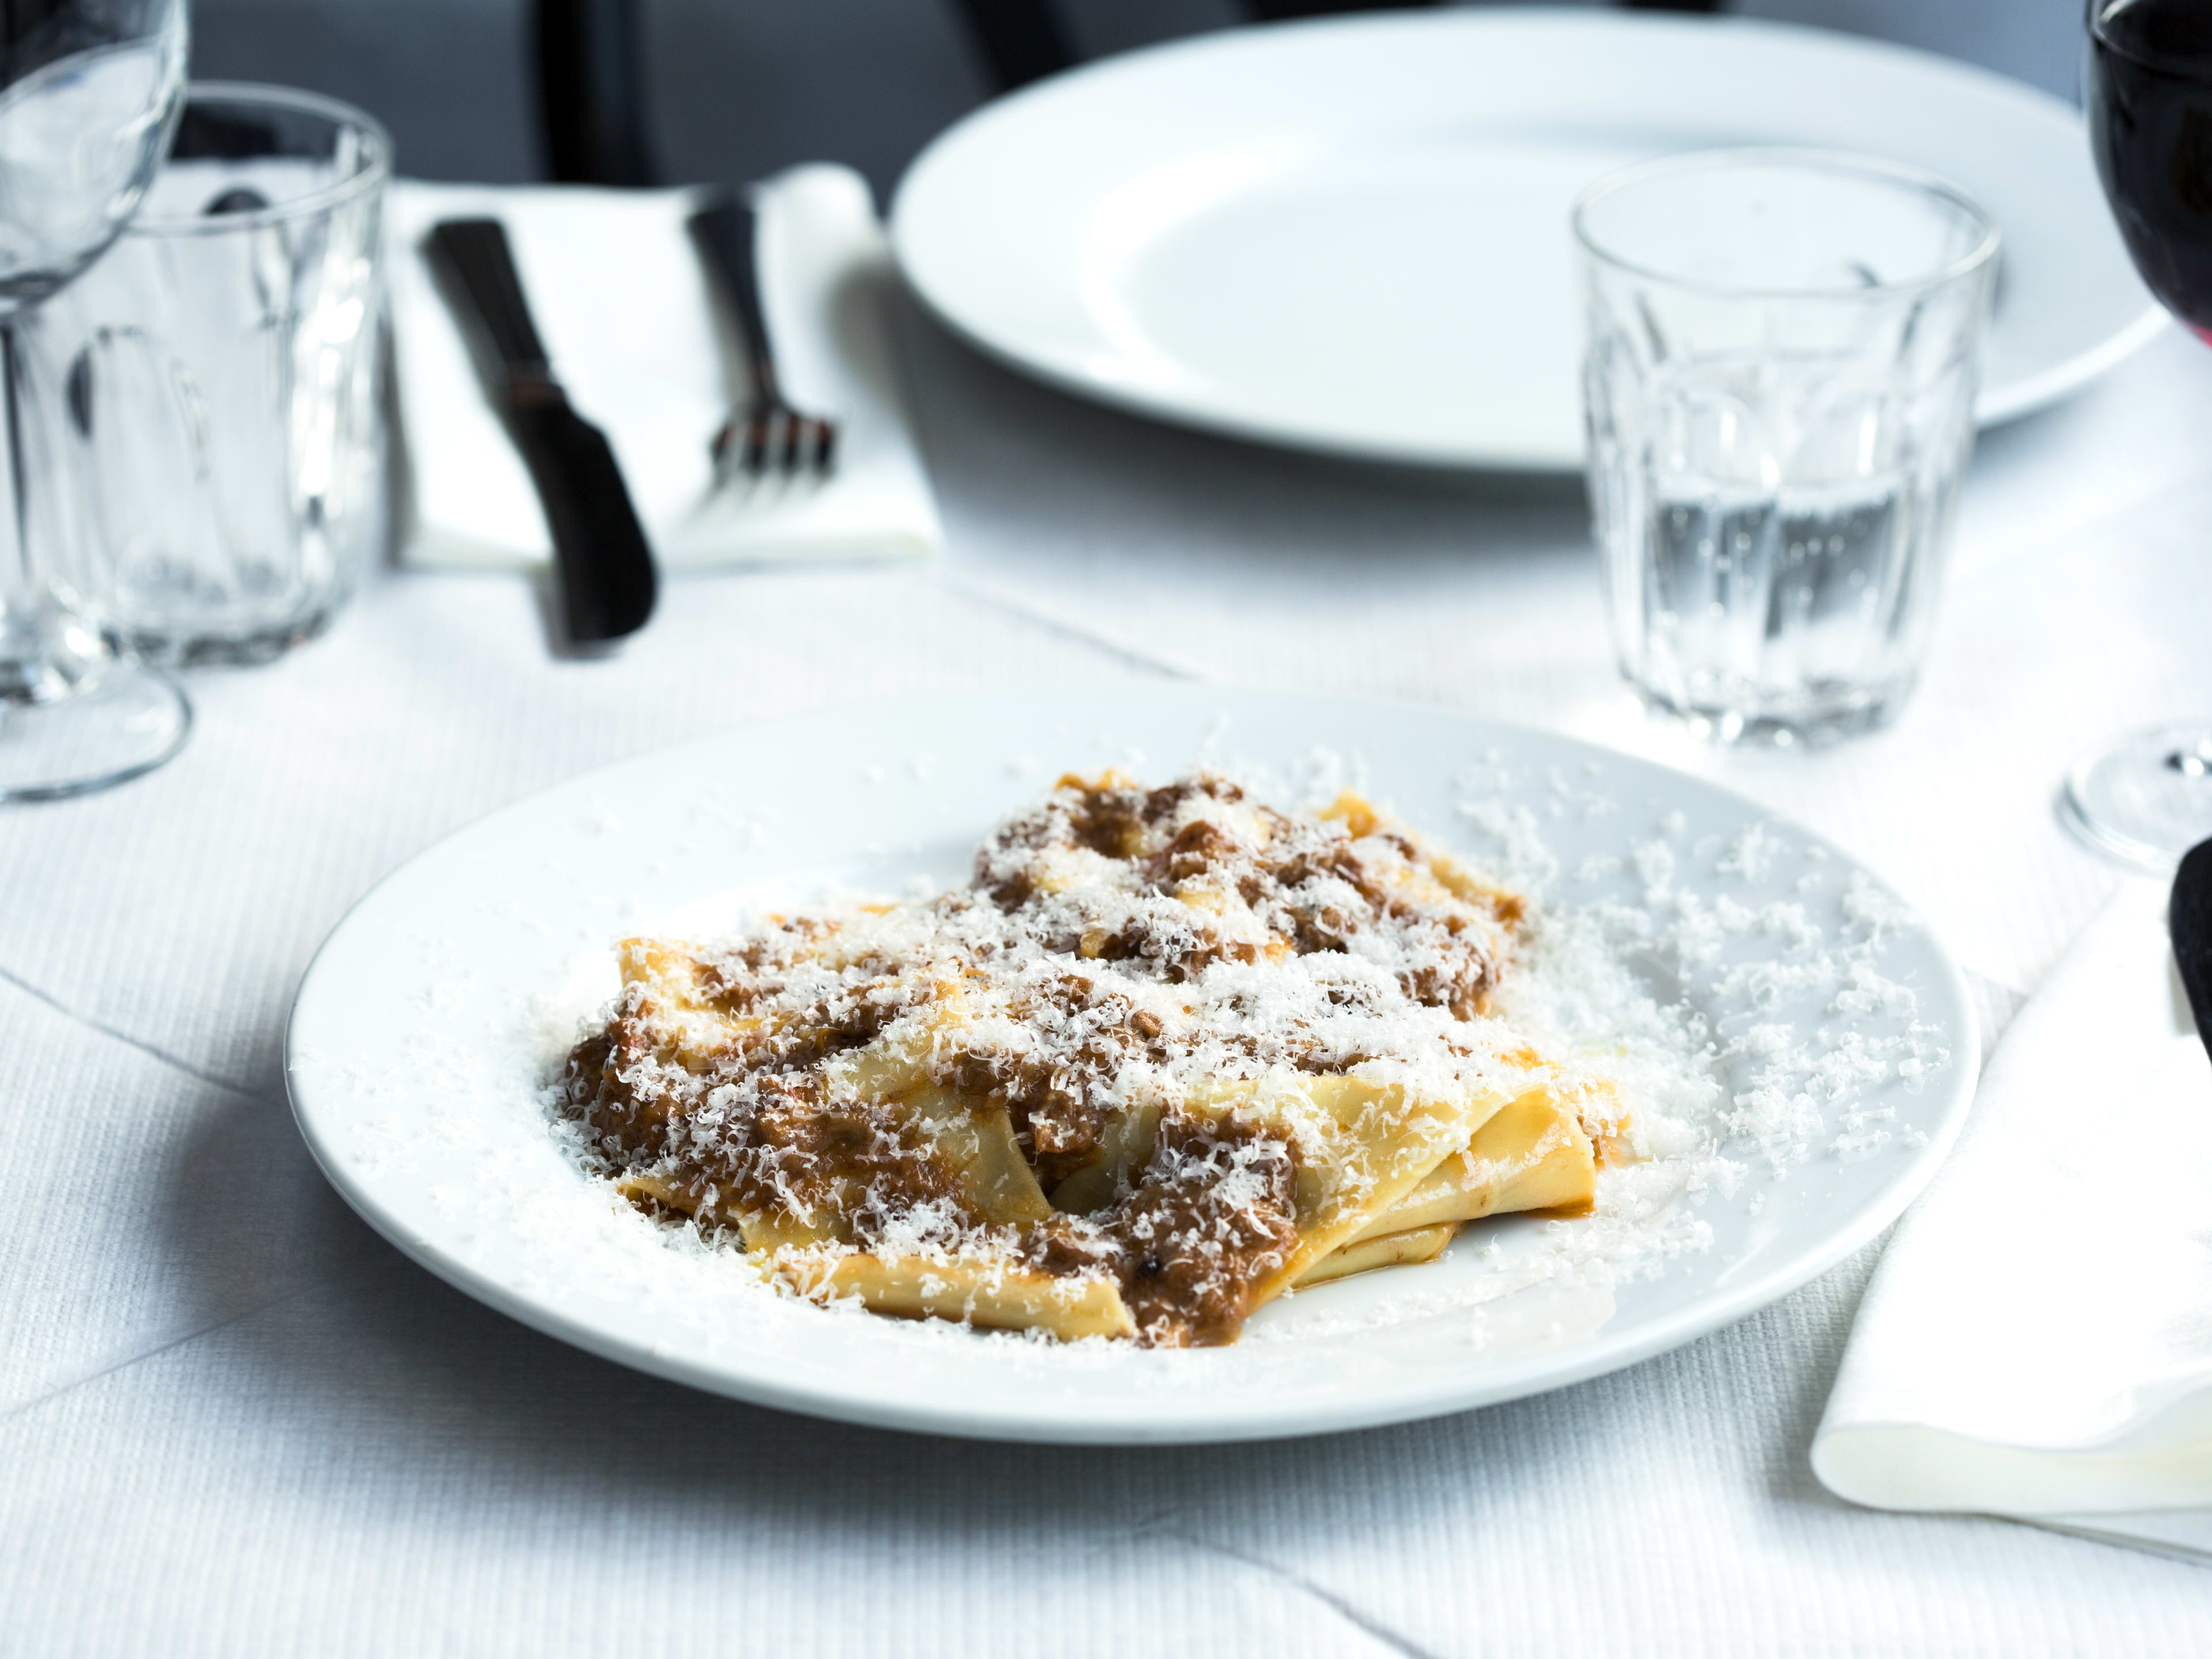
pixel 435 1010
pixel 1351 235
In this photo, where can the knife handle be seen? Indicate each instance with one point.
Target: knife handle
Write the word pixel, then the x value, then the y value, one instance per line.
pixel 2189 920
pixel 475 252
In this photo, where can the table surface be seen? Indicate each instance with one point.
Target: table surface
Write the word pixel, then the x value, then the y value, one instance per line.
pixel 233 1420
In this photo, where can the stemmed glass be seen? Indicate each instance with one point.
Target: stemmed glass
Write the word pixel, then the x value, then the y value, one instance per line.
pixel 2148 797
pixel 89 90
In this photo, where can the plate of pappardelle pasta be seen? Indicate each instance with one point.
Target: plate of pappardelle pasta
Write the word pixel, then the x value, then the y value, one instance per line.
pixel 1146 1064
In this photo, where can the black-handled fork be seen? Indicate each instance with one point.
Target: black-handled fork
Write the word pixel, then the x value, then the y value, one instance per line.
pixel 606 566
pixel 767 435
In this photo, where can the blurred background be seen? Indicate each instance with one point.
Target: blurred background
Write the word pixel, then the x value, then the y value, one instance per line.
pixel 734 89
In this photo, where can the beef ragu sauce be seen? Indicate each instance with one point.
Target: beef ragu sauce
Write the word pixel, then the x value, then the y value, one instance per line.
pixel 1213 1214
pixel 1208 877
pixel 1117 948
pixel 791 1145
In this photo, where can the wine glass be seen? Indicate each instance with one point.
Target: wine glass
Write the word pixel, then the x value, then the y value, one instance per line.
pixel 2148 797
pixel 89 90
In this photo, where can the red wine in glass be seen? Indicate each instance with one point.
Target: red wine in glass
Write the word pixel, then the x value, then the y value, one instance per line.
pixel 2148 83
pixel 2149 94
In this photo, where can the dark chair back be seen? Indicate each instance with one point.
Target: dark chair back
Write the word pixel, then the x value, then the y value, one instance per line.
pixel 1022 41
pixel 593 103
pixel 591 93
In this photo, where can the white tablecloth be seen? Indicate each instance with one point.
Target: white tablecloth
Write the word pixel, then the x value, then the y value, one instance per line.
pixel 232 1420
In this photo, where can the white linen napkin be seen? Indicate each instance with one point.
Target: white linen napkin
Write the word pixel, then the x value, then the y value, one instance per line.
pixel 625 310
pixel 2036 1342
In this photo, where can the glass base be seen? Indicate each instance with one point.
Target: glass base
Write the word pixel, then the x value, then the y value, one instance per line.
pixel 109 723
pixel 1816 724
pixel 2146 799
pixel 192 642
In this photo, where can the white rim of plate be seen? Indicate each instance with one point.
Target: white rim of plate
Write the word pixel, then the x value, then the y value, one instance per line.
pixel 2023 395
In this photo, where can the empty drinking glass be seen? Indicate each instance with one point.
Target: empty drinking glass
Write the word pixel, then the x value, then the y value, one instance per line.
pixel 216 390
pixel 1783 358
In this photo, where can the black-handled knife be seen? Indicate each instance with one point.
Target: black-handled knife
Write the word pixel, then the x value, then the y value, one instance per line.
pixel 605 567
pixel 2189 918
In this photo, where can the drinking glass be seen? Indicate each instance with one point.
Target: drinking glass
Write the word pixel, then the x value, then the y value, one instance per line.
pixel 88 92
pixel 2147 797
pixel 217 386
pixel 1783 350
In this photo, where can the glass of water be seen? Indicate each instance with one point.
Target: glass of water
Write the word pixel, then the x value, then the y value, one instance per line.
pixel 216 384
pixel 1783 357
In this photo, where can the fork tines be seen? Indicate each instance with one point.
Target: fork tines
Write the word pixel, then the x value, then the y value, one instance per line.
pixel 766 437
pixel 775 441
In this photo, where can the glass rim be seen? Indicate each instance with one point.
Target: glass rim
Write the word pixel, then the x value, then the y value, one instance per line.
pixel 2197 73
pixel 375 169
pixel 1874 167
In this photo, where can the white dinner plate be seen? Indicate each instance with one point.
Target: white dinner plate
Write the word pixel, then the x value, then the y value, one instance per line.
pixel 429 1019
pixel 1351 235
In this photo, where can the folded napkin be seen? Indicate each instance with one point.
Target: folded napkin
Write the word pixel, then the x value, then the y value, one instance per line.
pixel 2036 1342
pixel 624 307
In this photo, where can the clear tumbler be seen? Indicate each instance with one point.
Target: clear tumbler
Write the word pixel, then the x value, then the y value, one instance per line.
pixel 1783 356
pixel 217 395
